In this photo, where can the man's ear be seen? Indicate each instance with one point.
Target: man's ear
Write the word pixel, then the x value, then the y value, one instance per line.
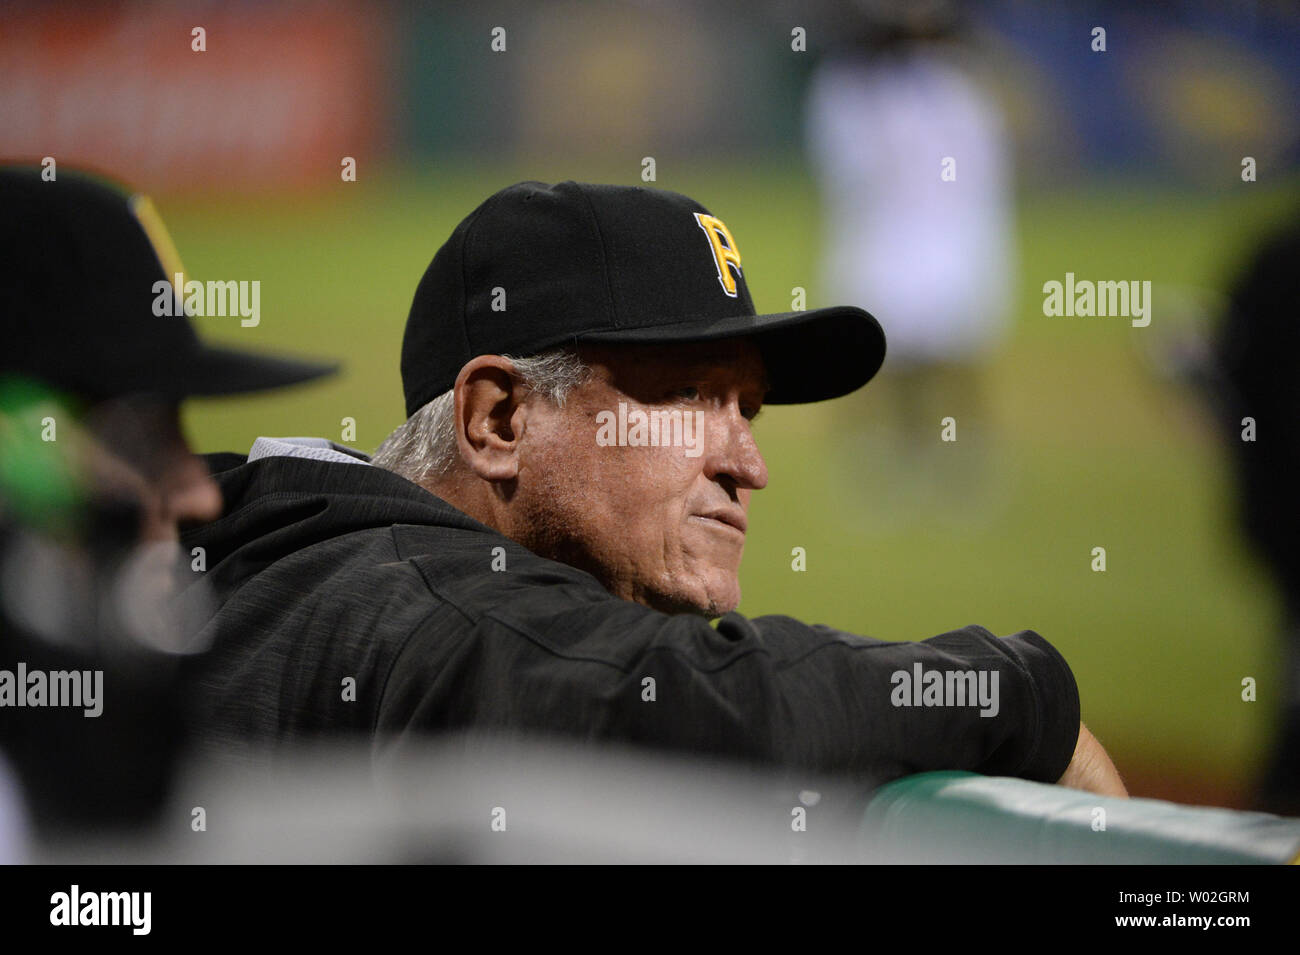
pixel 489 417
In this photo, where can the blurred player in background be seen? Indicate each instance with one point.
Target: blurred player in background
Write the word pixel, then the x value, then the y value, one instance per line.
pixel 915 175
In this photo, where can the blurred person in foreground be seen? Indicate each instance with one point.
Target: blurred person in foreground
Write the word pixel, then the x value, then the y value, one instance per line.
pixel 1255 382
pixel 541 546
pixel 96 480
pixel 914 171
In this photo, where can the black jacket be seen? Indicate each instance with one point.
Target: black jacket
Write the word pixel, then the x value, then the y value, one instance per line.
pixel 328 571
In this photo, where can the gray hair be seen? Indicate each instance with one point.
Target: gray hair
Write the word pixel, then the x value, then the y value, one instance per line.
pixel 424 446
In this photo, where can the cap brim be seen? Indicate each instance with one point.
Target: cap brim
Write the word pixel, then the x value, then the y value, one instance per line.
pixel 810 356
pixel 213 370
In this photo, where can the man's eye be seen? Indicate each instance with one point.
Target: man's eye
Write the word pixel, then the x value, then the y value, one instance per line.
pixel 749 411
pixel 690 393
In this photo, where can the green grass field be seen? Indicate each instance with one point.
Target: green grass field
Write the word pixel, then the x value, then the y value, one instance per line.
pixel 1091 449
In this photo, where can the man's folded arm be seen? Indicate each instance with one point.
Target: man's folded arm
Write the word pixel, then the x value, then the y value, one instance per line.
pixel 768 689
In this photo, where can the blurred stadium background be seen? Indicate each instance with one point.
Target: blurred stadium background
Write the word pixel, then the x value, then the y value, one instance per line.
pixel 1127 166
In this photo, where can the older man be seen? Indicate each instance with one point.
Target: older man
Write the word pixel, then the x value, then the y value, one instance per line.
pixel 540 547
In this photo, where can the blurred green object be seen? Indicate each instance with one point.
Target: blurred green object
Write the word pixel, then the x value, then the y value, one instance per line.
pixel 38 487
pixel 952 817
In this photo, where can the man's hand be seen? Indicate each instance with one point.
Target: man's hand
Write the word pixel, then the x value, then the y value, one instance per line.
pixel 1091 769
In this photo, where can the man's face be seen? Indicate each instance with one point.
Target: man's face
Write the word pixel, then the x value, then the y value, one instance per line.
pixel 136 455
pixel 663 526
pixel 118 564
pixel 144 482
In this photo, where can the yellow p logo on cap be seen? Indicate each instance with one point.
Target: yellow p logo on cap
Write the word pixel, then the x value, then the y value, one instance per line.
pixel 724 252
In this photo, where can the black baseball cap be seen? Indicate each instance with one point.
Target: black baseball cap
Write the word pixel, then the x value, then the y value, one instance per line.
pixel 577 263
pixel 80 257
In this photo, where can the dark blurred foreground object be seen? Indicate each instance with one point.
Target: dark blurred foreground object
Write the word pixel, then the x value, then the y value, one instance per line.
pixel 1256 376
pixel 95 477
pixel 479 799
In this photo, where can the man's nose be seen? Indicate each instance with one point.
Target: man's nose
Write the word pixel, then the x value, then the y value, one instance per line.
pixel 734 452
pixel 189 493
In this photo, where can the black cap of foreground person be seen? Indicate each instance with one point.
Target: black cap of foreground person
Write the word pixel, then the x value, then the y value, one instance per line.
pixel 538 266
pixel 80 259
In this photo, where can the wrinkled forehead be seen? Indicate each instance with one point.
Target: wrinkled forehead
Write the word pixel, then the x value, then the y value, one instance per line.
pixel 735 362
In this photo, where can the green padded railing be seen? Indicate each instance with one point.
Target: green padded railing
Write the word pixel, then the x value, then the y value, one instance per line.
pixel 965 817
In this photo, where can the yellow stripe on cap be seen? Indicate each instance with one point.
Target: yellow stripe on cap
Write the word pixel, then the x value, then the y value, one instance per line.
pixel 142 208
